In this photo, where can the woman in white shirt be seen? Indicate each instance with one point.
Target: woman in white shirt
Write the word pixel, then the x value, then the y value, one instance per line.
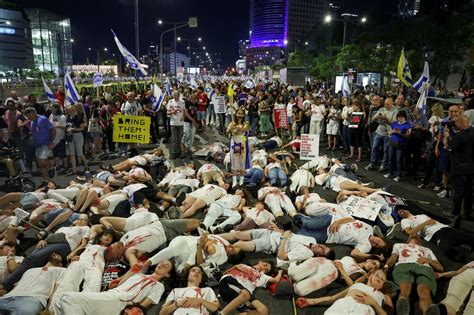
pixel 359 298
pixel 193 299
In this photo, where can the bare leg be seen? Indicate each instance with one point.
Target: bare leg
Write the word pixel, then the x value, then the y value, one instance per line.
pixel 237 235
pixel 192 224
pixel 348 185
pixel 81 197
pixel 242 298
pixel 187 203
pixel 9 198
pixel 197 205
pixel 72 157
pixel 246 246
pixel 91 197
pixel 424 294
pixel 59 219
pixel 84 160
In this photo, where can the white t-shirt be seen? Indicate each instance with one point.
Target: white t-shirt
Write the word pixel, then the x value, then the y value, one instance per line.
pixel 176 119
pixel 114 200
pixel 131 109
pixel 190 182
pixel 131 189
pixel 355 233
pixel 146 239
pixel 206 168
pixel 409 253
pixel 428 231
pixel 277 140
pixel 75 234
pixel 3 266
pixel 260 216
pixel 139 219
pixel 317 112
pixel 58 121
pixel 251 279
pixel 350 265
pixel 229 201
pixel 192 292
pixel 93 256
pixel 136 288
pixel 41 287
pixel 298 247
pixel 312 198
pixel 220 256
pixel 289 109
pixel 273 165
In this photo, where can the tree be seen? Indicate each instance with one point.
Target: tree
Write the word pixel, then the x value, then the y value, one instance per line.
pixel 300 58
pixel 322 67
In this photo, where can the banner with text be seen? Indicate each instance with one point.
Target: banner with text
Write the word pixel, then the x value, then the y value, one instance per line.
pixel 361 208
pixel 131 129
pixel 309 147
pixel 280 118
pixel 219 104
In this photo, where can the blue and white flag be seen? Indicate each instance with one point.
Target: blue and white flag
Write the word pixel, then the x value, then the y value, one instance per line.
pixel 424 78
pixel 192 83
pixel 49 94
pixel 421 104
pixel 157 97
pixel 168 88
pixel 346 91
pixel 71 93
pixel 129 58
pixel 249 84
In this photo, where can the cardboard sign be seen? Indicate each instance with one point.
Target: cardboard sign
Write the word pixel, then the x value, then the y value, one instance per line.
pixel 361 207
pixel 356 119
pixel 131 129
pixel 280 118
pixel 219 104
pixel 97 79
pixel 309 147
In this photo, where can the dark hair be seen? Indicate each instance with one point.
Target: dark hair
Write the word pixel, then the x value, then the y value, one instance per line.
pixel 204 275
pixel 132 306
pixel 236 258
pixel 331 254
pixel 402 113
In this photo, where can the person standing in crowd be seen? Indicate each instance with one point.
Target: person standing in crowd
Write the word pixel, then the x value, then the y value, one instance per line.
pixel 416 142
pixel 252 111
pixel 190 123
pixel 399 135
pixel 239 150
pixel 385 117
pixel 202 106
pixel 264 108
pixel 356 129
pixel 346 117
pixel 43 135
pixel 332 127
pixel 289 113
pixel 76 125
pixel 58 119
pixel 372 121
pixel 94 128
pixel 317 116
pixel 106 120
pixel 132 108
pixel 60 95
pixel 460 144
pixel 11 116
pixel 175 110
pixel 149 112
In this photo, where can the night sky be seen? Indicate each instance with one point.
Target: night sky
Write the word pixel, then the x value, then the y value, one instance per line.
pixel 220 24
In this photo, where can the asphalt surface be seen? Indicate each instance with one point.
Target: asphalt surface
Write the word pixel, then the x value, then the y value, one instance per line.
pixel 425 200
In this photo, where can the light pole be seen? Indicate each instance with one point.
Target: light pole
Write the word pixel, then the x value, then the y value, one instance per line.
pixel 345 18
pixel 97 50
pixel 199 39
pixel 192 22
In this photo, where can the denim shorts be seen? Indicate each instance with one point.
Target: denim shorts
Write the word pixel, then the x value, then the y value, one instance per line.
pixel 201 115
pixel 43 152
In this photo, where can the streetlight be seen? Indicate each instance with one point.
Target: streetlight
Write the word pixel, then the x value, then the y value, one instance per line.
pixel 363 20
pixel 346 18
pixel 72 40
pixel 97 50
pixel 328 18
pixel 192 22
pixel 199 39
pixel 179 39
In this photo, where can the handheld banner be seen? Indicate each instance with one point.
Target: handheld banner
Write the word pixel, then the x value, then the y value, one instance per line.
pixel 131 129
pixel 309 147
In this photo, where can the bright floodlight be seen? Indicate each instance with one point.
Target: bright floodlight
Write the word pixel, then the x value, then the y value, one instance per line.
pixel 8 23
pixel 363 20
pixel 72 40
pixel 285 42
pixel 179 38
pixel 90 48
pixel 306 43
pixel 160 22
pixel 199 39
pixel 105 49
pixel 204 48
pixel 327 18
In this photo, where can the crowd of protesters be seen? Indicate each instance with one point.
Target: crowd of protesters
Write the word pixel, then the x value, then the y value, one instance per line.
pixel 194 225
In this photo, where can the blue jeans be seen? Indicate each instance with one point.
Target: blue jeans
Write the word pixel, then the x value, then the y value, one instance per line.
pixel 379 141
pixel 316 227
pixel 253 177
pixel 345 137
pixel 38 258
pixel 253 124
pixel 20 305
pixel 276 173
pixel 396 159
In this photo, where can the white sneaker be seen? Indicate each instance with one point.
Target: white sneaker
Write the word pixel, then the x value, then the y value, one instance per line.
pixel 397 179
pixel 387 175
pixel 442 194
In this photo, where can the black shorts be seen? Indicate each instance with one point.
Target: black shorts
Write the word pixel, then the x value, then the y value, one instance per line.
pixel 229 289
pixel 144 193
pixel 59 150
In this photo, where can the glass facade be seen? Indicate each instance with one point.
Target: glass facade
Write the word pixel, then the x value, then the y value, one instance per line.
pixel 51 38
pixel 268 23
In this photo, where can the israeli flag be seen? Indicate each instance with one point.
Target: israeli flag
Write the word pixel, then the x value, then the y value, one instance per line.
pixel 157 97
pixel 424 78
pixel 48 92
pixel 249 84
pixel 346 91
pixel 71 93
pixel 168 87
pixel 421 104
pixel 192 83
pixel 129 58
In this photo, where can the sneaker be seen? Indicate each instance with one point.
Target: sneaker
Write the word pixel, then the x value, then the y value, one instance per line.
pixel 382 169
pixel 403 306
pixel 442 194
pixel 397 178
pixel 388 175
pixel 432 309
pixel 394 230
pixel 216 230
pixel 369 167
pixel 180 199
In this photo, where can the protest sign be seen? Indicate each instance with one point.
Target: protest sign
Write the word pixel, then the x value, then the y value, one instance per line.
pixel 309 147
pixel 361 208
pixel 219 104
pixel 280 118
pixel 97 79
pixel 131 129
pixel 356 119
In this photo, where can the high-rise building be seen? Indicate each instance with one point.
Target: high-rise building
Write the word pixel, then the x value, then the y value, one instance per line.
pixel 407 8
pixel 51 37
pixel 15 41
pixel 243 46
pixel 279 26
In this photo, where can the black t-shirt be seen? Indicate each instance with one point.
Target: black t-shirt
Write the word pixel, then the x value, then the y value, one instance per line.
pixel 40 109
pixel 192 111
pixel 113 270
pixel 75 122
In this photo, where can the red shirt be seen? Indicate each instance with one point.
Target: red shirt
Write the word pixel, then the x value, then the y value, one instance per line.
pixel 202 102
